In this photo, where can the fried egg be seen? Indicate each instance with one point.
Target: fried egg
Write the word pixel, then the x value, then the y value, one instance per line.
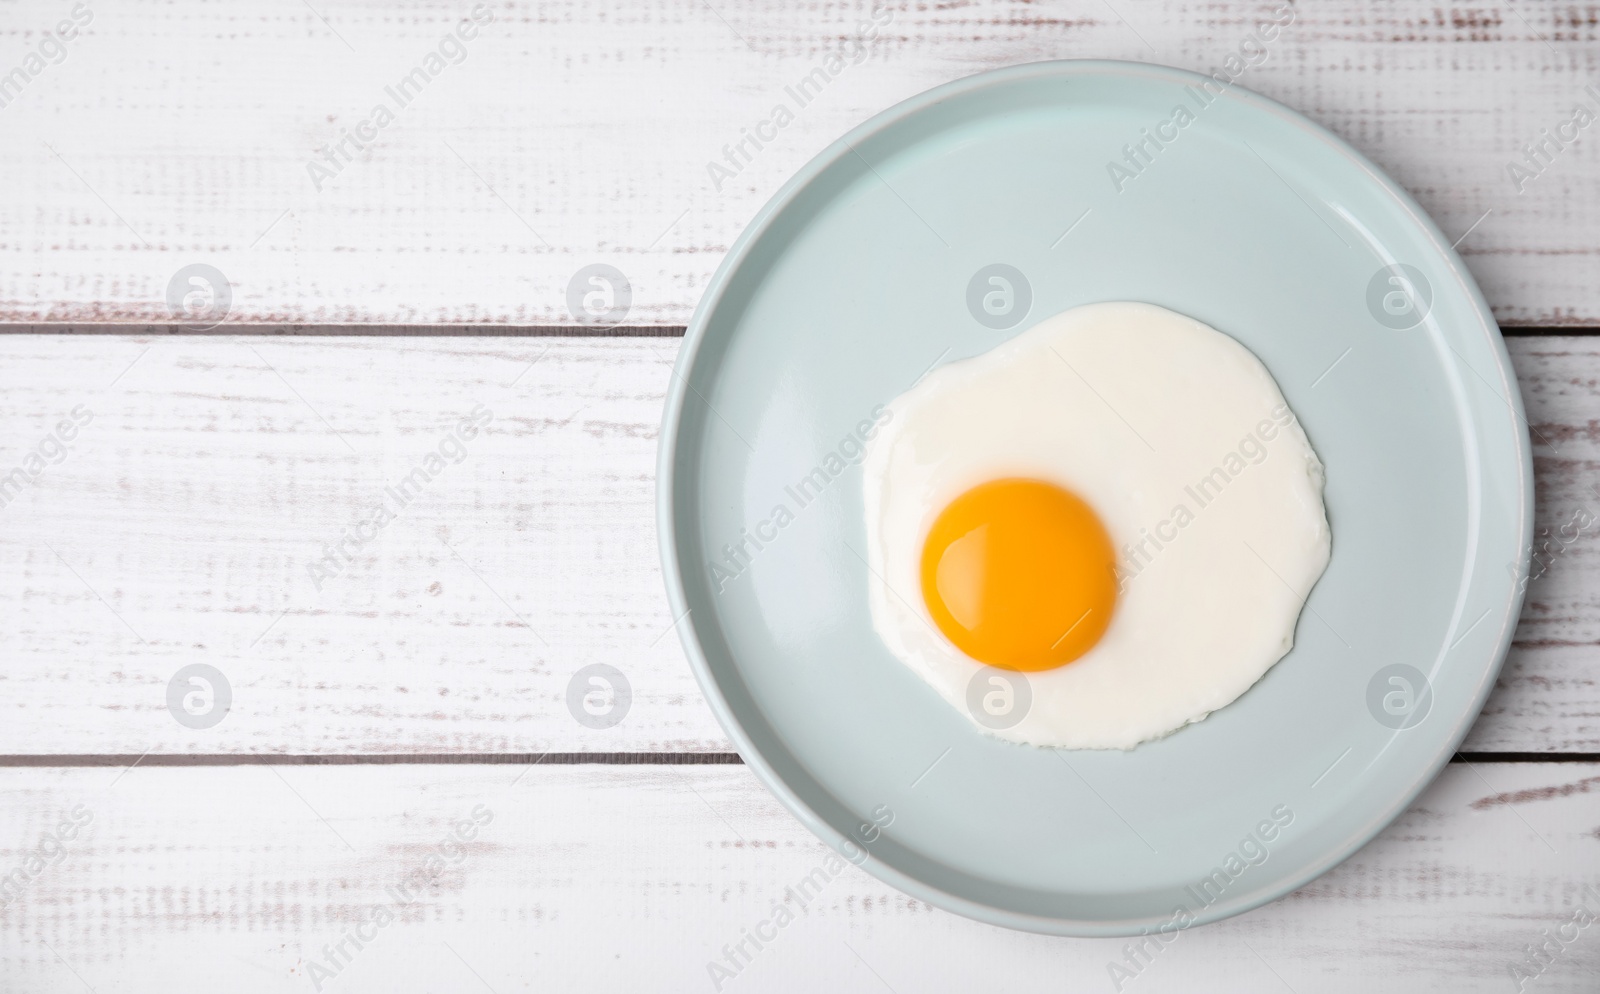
pixel 1095 533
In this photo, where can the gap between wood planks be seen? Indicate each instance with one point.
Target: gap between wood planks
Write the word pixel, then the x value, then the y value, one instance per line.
pixel 500 330
pixel 374 330
pixel 386 759
pixel 551 759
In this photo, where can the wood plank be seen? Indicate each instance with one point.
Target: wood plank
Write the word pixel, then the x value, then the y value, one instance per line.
pixel 181 525
pixel 241 460
pixel 1549 690
pixel 604 878
pixel 574 133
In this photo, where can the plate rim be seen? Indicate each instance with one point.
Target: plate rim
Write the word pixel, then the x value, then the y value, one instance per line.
pixel 666 507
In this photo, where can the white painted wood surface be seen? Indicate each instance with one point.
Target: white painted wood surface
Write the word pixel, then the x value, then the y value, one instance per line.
pixel 632 879
pixel 574 132
pixel 184 521
pixel 179 524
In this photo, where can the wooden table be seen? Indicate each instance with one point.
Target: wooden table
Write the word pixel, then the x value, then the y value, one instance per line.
pixel 399 736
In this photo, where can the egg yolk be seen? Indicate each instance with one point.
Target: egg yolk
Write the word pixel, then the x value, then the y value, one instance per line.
pixel 1020 574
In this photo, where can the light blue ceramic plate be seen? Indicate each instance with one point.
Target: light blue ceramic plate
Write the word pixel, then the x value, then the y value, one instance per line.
pixel 854 280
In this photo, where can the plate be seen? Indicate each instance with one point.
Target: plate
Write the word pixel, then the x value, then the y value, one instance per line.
pixel 1076 182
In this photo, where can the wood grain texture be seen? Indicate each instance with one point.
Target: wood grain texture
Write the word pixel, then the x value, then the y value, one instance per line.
pixel 183 521
pixel 633 879
pixel 573 133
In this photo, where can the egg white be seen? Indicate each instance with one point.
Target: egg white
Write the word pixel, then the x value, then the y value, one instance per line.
pixel 1141 412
